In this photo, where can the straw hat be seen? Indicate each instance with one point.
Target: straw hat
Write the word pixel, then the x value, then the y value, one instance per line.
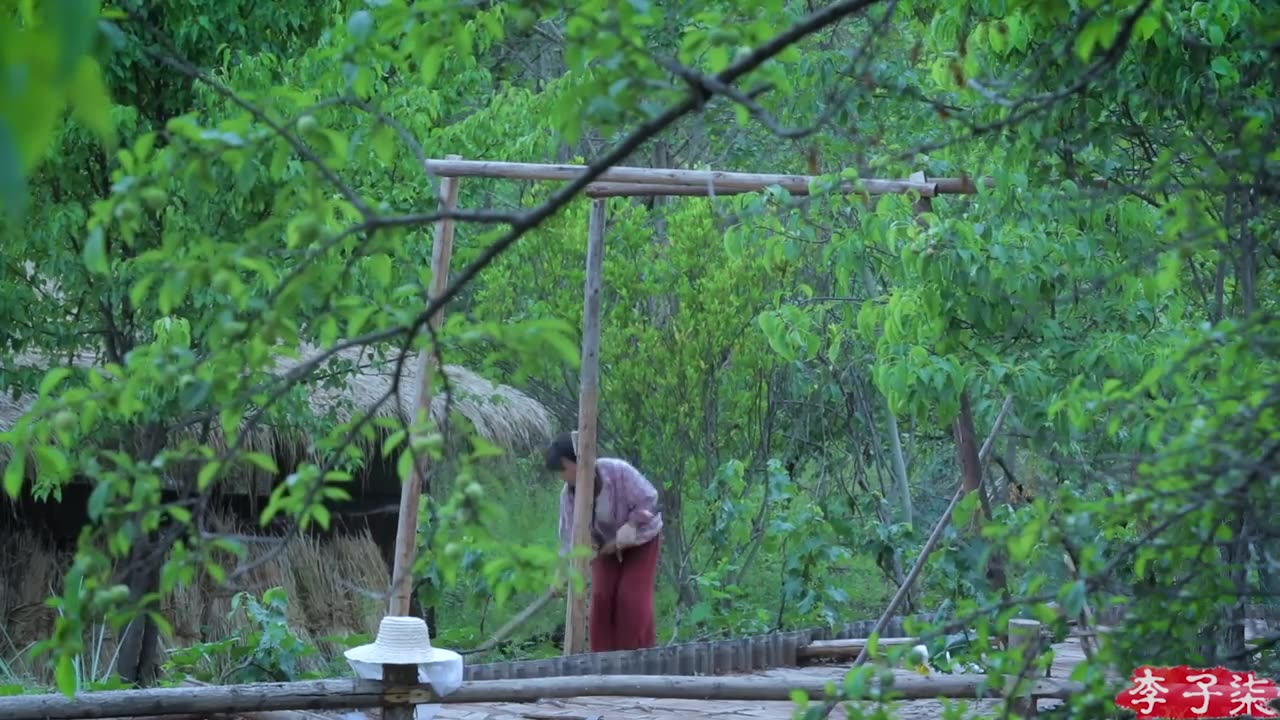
pixel 400 641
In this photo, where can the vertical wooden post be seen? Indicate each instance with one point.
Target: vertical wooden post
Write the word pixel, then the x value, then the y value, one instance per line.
pixel 575 621
pixel 402 676
pixel 411 492
pixel 1024 634
pixel 923 204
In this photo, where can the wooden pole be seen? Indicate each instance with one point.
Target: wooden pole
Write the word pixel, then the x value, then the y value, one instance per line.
pixel 841 649
pixel 411 492
pixel 666 176
pixel 1025 635
pixel 575 621
pixel 364 694
pixel 868 187
pixel 1086 619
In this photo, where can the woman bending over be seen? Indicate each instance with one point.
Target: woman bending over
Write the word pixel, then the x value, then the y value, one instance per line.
pixel 625 529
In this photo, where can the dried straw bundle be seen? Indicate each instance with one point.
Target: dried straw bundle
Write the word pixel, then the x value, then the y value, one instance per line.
pixel 333 586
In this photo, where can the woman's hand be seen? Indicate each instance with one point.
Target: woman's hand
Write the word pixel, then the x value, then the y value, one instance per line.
pixel 610 549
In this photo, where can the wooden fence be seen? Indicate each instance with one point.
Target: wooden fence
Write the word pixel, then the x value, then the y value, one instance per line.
pixel 399 697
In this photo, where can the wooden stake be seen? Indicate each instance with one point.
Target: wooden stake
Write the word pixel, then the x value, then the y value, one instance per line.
pixel 411 492
pixel 403 675
pixel 575 621
pixel 1025 635
pixel 363 694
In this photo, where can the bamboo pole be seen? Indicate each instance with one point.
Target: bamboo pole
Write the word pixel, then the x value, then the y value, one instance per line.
pixel 718 180
pixel 795 187
pixel 575 621
pixel 1086 619
pixel 511 625
pixel 364 694
pixel 839 649
pixel 411 492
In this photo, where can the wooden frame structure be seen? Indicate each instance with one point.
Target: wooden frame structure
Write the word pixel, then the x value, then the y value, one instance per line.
pixel 618 181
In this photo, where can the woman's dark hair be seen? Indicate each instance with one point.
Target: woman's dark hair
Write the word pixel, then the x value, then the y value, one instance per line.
pixel 560 449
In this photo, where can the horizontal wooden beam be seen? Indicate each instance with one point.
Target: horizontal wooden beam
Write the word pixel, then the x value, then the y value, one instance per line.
pixel 837 649
pixel 797 188
pixel 709 180
pixel 364 694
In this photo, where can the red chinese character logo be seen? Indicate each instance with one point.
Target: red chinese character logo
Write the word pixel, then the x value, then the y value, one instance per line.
pixel 1178 693
pixel 1251 696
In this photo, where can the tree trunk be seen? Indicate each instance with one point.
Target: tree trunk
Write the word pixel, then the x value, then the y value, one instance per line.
pixel 1235 554
pixel 136 659
pixel 971 478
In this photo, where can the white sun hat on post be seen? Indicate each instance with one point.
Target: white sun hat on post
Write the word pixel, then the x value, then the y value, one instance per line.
pixel 407 641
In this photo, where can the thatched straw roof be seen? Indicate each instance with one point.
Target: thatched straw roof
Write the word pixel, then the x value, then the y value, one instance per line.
pixel 500 414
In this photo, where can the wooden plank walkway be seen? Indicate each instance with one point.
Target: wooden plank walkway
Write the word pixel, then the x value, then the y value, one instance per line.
pixel 1066 656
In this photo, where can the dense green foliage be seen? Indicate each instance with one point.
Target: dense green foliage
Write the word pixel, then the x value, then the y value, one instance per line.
pixel 195 191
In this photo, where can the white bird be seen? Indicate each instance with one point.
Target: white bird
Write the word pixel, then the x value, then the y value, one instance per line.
pixel 918 659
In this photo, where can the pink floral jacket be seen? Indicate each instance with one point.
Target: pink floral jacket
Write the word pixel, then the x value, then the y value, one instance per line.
pixel 626 508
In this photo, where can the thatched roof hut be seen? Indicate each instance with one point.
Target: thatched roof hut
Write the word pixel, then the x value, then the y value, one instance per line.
pixel 329 577
pixel 352 382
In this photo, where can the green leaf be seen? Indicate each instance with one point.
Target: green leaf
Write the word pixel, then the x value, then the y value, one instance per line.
pixel 51 464
pixel 15 472
pixel 65 675
pixel 162 624
pixel 98 499
pixel 360 24
pixel 1221 66
pixel 73 20
pixel 1146 26
pixel 205 476
pixel 1216 36
pixel 321 515
pixel 383 139
pixel 263 462
pixel 380 268
pixel 91 102
pixel 51 380
pixel 431 60
pixel 13 178
pixel 1073 599
pixel 95 252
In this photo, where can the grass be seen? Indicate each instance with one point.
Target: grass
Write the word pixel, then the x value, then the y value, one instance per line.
pixel 467 618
